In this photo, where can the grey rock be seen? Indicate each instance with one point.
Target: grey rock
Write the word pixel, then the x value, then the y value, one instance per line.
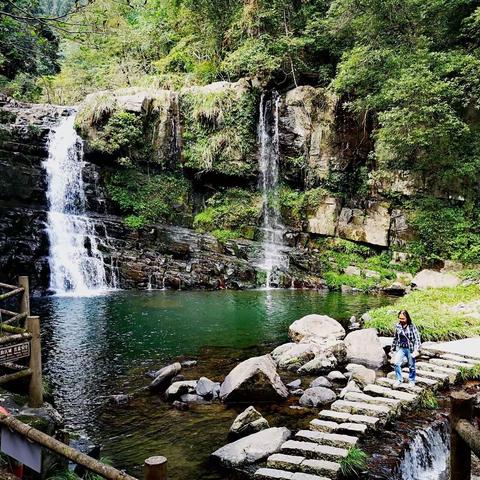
pixel 295 384
pixel 189 363
pixel 320 382
pixel 350 387
pixel 255 379
pixel 291 356
pixel 320 364
pixel 177 389
pixel 253 448
pixel 248 422
pixel 337 377
pixel 432 279
pixel 164 376
pixel 120 399
pixel 206 388
pixel 182 406
pixel 317 396
pixel 315 327
pixel 192 398
pixel 298 392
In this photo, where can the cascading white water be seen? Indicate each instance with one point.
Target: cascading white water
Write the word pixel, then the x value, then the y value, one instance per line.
pixel 427 455
pixel 76 262
pixel 274 258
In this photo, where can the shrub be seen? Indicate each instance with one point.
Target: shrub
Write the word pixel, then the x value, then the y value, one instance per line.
pixel 354 463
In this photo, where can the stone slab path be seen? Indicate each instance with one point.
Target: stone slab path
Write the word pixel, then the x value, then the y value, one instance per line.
pixel 316 454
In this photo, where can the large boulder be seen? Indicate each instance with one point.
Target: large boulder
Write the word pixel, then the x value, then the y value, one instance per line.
pixel 292 356
pixel 317 328
pixel 248 422
pixel 364 347
pixel 317 396
pixel 164 376
pixel 255 379
pixel 432 279
pixel 206 388
pixel 177 389
pixel 252 448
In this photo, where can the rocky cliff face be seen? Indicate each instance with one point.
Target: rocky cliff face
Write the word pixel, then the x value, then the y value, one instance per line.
pixel 207 137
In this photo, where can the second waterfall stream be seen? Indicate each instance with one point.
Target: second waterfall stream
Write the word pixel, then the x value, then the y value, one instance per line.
pixel 76 262
pixel 274 259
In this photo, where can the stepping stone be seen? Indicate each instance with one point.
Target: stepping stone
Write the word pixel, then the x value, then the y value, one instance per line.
pixel 313 450
pixel 320 467
pixel 429 382
pixel 280 461
pixel 307 476
pixel 453 373
pixel 332 439
pixel 361 408
pixel 390 393
pixel 271 473
pixel 442 377
pixel 352 428
pixel 389 382
pixel 449 363
pixel 459 358
pixel 370 420
pixel 362 397
pixel 323 425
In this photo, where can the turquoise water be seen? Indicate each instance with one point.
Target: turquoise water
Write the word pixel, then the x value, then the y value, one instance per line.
pixel 99 346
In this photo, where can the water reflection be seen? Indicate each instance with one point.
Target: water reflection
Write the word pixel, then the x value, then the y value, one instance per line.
pixel 98 346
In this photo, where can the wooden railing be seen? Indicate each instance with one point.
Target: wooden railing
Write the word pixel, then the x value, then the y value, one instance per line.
pixel 19 342
pixel 464 438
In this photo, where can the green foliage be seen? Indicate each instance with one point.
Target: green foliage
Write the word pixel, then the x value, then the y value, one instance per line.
pixel 335 280
pixel 354 463
pixel 433 312
pixel 28 49
pixel 219 130
pixel 445 230
pixel 428 400
pixel 150 198
pixel 230 214
pixel 470 373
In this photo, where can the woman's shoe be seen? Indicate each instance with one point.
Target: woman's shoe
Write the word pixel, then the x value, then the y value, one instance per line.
pixel 397 384
pixel 411 383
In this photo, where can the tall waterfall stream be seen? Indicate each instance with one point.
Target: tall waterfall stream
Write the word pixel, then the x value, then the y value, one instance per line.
pixel 76 262
pixel 274 259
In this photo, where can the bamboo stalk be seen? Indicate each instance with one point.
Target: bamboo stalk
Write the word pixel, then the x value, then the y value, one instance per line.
pixel 16 318
pixel 4 296
pixel 25 300
pixel 60 448
pixel 7 312
pixel 15 376
pixel 13 366
pixel 9 329
pixel 6 285
pixel 20 337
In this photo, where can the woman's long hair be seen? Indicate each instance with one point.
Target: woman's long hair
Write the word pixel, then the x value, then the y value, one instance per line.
pixel 407 316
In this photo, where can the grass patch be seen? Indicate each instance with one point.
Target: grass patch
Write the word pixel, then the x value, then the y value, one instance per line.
pixel 433 313
pixel 470 373
pixel 428 400
pixel 354 463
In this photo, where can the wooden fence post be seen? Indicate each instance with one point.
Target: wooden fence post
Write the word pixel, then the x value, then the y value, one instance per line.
pixel 460 454
pixel 25 300
pixel 156 468
pixel 35 391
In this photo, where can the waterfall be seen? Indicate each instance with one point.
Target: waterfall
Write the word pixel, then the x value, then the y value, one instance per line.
pixel 274 258
pixel 76 262
pixel 427 455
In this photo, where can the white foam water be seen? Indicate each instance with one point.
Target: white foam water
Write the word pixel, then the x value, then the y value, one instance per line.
pixel 427 456
pixel 274 259
pixel 76 262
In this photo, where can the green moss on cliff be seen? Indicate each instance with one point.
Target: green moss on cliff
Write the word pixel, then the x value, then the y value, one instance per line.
pixel 150 198
pixel 230 214
pixel 219 131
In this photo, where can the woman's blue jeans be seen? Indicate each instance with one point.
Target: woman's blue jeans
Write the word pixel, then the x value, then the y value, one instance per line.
pixel 400 354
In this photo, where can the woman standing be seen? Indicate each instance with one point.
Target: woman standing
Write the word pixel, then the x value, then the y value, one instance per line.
pixel 406 344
